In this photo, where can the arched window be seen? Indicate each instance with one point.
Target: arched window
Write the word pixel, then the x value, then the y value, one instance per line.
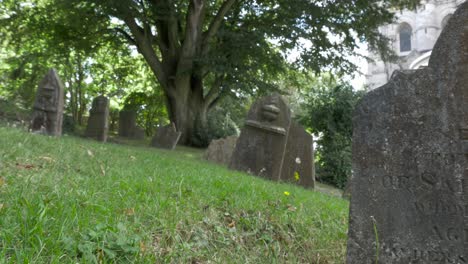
pixel 405 37
pixel 445 20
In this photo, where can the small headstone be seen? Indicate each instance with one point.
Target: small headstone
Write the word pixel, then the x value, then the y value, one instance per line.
pixel 166 137
pixel 272 146
pixel 128 127
pixel 48 106
pixel 220 150
pixel 409 186
pixel 98 122
pixel 127 123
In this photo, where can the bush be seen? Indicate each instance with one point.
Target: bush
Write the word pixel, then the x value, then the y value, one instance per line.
pixel 150 110
pixel 328 115
pixel 219 125
pixel 69 125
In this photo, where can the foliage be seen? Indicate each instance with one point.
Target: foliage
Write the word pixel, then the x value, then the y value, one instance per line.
pixel 69 125
pixel 328 114
pixel 40 34
pixel 202 50
pixel 103 244
pixel 219 125
pixel 150 109
pixel 12 112
pixel 36 36
pixel 68 200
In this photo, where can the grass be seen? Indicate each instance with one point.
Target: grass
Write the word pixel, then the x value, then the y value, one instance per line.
pixel 69 200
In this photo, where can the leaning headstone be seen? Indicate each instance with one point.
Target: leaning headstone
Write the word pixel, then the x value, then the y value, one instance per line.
pixel 127 123
pixel 272 146
pixel 166 137
pixel 220 150
pixel 298 164
pixel 98 122
pixel 409 187
pixel 48 106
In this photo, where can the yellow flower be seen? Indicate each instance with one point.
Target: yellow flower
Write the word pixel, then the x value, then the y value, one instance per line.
pixel 286 193
pixel 296 175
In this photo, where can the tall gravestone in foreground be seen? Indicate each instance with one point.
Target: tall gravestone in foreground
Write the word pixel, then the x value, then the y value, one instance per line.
pixel 98 122
pixel 409 188
pixel 272 146
pixel 47 114
pixel 166 137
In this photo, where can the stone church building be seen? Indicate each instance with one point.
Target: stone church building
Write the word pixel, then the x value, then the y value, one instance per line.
pixel 412 37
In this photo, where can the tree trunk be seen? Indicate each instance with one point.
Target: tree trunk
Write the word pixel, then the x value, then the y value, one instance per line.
pixel 187 108
pixel 174 64
pixel 81 101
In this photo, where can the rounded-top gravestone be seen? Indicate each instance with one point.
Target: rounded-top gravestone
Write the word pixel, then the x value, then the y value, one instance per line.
pixel 262 142
pixel 98 122
pixel 273 146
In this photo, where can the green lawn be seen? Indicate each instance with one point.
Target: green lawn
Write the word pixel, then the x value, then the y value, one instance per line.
pixel 70 200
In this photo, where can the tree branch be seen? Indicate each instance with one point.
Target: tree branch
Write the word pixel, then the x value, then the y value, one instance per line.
pixel 195 16
pixel 144 46
pixel 216 24
pixel 214 92
pixel 124 34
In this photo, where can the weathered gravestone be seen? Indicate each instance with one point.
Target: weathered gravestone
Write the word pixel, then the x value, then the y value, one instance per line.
pixel 272 146
pixel 127 125
pixel 409 187
pixel 220 150
pixel 48 106
pixel 298 166
pixel 98 122
pixel 166 137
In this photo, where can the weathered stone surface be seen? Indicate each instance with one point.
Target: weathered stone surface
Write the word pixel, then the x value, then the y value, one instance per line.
pixel 220 150
pixel 166 137
pixel 298 165
pixel 274 147
pixel 128 127
pixel 47 114
pixel 262 142
pixel 127 123
pixel 410 161
pixel 98 122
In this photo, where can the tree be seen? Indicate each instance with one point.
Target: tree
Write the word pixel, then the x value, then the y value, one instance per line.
pixel 329 108
pixel 201 50
pixel 38 34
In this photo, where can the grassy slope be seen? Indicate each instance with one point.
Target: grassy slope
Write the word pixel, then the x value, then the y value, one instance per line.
pixel 68 200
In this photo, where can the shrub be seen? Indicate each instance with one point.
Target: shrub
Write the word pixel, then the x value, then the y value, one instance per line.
pixel 328 115
pixel 219 125
pixel 68 125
